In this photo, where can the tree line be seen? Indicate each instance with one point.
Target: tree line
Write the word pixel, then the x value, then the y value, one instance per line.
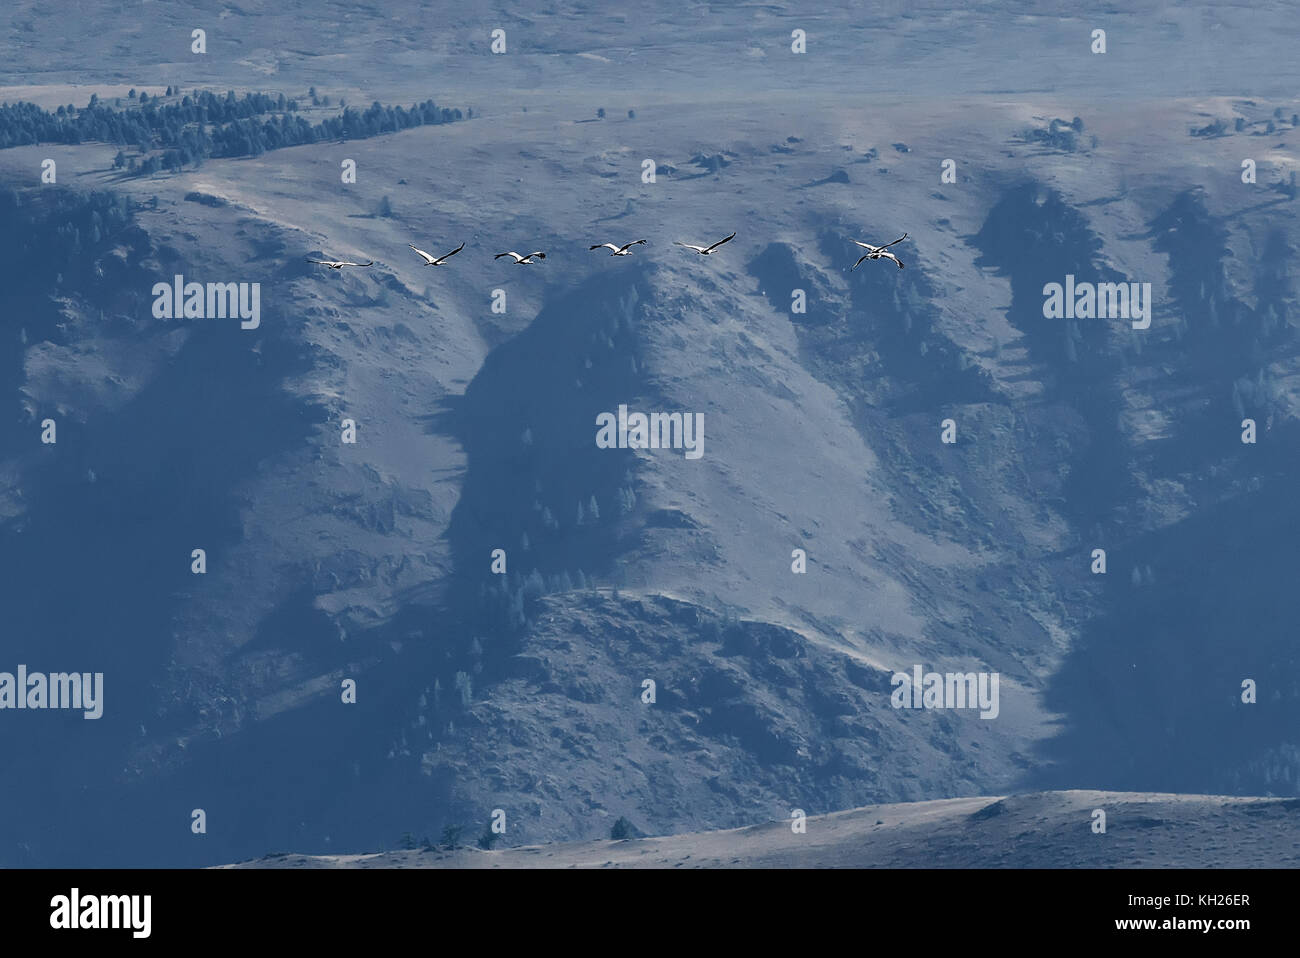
pixel 183 132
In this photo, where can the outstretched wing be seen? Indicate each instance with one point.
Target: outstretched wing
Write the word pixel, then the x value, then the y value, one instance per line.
pixel 698 249
pixel 452 253
pixel 623 249
pixel 605 246
pixel 515 255
pixel 710 249
pixel 539 255
pixel 877 249
pixel 428 257
pixel 321 262
pixel 859 262
pixel 346 263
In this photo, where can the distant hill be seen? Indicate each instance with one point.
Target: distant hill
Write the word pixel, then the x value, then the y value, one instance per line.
pixel 1039 830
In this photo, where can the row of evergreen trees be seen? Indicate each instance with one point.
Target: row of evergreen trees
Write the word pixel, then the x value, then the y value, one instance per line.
pixel 205 125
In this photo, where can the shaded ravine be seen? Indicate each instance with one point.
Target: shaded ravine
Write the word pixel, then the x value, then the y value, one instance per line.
pixel 1153 691
pixel 1034 237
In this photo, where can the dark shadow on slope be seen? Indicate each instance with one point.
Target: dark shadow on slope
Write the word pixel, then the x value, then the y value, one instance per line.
pixel 1034 237
pixel 319 776
pixel 97 567
pixel 536 484
pixel 83 246
pixel 1220 344
pixel 1152 693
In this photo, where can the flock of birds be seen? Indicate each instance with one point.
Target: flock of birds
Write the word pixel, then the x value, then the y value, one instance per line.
pixel 873 252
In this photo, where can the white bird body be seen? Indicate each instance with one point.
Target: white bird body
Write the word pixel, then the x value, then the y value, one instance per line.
pixel 618 250
pixel 521 260
pixel 878 252
pixel 707 250
pixel 338 263
pixel 431 260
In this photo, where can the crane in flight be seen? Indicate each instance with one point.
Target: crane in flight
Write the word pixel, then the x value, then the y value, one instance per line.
pixel 878 252
pixel 618 250
pixel 706 250
pixel 431 260
pixel 338 263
